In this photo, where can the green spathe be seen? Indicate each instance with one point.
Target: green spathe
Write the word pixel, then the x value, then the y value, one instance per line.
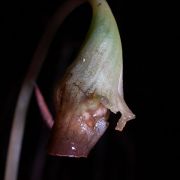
pixel 98 68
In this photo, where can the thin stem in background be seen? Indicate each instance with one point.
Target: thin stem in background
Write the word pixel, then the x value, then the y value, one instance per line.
pixel 18 125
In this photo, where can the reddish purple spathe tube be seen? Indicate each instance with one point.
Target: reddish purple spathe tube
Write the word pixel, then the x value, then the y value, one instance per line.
pixel 76 131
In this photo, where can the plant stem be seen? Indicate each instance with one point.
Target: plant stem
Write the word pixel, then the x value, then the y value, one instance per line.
pixel 18 125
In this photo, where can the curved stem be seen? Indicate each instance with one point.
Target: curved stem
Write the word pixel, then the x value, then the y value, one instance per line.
pixel 18 126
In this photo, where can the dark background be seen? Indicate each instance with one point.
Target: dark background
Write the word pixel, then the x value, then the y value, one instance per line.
pixel 148 148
